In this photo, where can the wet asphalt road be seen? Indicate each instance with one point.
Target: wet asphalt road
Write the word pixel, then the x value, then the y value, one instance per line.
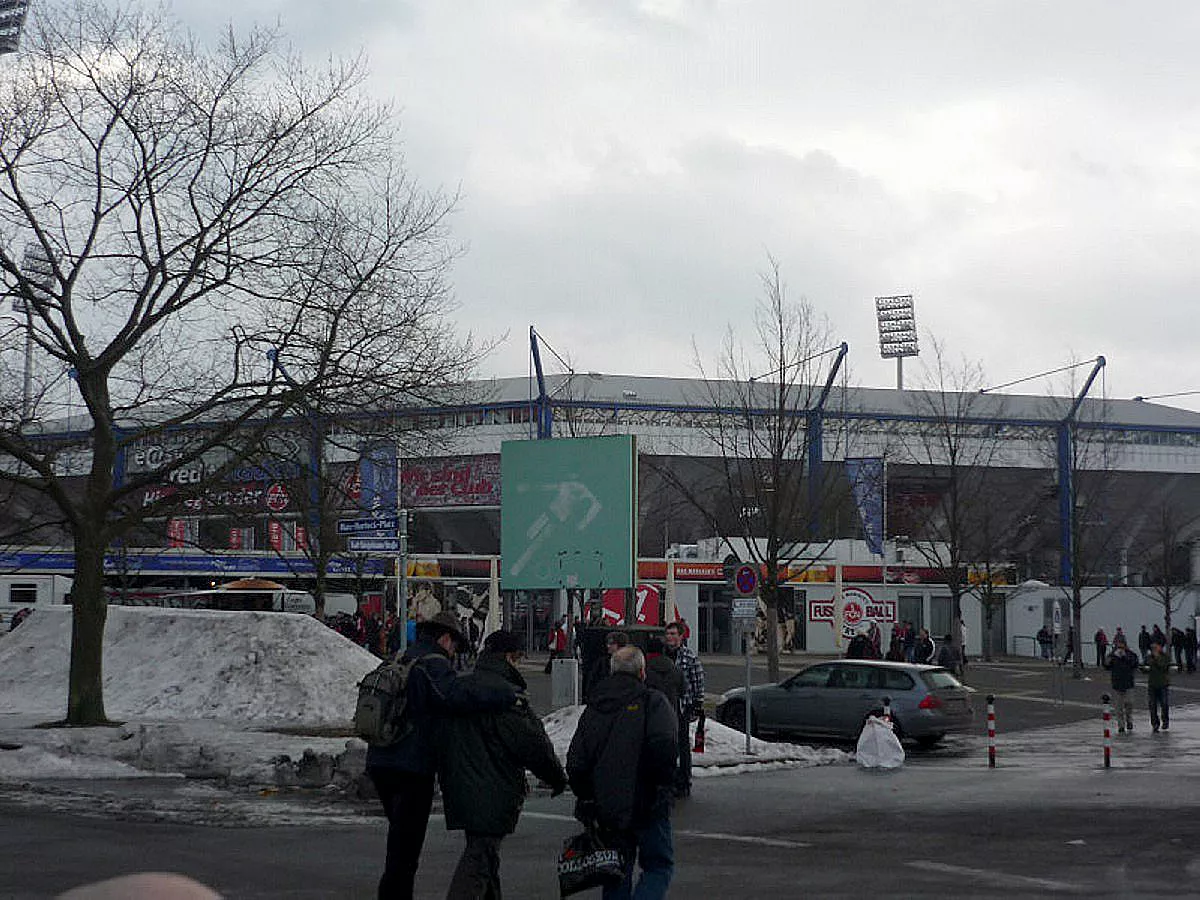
pixel 1049 820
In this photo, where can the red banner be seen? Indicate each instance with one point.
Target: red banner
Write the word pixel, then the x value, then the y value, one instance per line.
pixel 474 481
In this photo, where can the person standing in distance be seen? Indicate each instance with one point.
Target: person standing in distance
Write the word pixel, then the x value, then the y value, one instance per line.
pixel 403 773
pixel 691 703
pixel 482 770
pixel 621 766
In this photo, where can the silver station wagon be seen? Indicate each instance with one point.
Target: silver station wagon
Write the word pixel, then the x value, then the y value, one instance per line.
pixel 833 699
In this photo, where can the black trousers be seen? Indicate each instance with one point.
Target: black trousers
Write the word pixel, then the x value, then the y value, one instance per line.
pixel 683 773
pixel 477 875
pixel 407 799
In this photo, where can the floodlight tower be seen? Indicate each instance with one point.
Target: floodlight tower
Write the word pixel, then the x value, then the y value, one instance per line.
pixel 12 18
pixel 897 331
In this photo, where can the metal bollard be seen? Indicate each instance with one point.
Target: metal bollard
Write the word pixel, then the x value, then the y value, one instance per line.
pixel 991 723
pixel 1107 731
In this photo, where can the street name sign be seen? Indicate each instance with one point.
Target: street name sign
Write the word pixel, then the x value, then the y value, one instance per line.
pixel 373 544
pixel 369 525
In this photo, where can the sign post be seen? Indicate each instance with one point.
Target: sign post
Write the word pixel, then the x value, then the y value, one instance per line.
pixel 744 613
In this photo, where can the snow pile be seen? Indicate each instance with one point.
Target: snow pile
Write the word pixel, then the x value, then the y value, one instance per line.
pixel 169 664
pixel 724 748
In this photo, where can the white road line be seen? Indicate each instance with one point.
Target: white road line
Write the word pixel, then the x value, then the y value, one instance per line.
pixel 702 835
pixel 996 878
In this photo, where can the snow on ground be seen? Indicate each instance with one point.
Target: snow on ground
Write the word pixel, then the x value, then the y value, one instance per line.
pixel 165 664
pixel 196 692
pixel 724 748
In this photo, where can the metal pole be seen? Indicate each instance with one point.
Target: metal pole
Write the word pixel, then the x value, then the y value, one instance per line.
pixel 1107 732
pixel 402 578
pixel 746 647
pixel 991 726
pixel 899 373
pixel 27 384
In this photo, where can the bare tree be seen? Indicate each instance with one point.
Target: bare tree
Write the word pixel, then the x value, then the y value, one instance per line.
pixel 764 484
pixel 1163 558
pixel 957 450
pixel 226 238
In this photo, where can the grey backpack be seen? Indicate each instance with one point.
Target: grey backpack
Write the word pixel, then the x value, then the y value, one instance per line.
pixel 379 717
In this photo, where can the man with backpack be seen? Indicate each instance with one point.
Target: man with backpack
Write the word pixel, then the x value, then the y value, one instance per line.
pixel 482 769
pixel 401 757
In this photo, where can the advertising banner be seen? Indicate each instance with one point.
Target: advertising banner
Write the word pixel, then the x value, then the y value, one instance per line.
pixel 868 478
pixel 378 479
pixel 434 483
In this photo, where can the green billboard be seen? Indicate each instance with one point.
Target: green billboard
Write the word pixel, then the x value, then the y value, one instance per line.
pixel 568 513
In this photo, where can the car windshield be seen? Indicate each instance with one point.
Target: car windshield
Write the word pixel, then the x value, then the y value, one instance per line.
pixel 940 678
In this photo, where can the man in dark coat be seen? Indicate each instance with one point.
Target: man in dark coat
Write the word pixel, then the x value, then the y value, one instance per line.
pixel 1123 664
pixel 403 772
pixel 621 766
pixel 482 769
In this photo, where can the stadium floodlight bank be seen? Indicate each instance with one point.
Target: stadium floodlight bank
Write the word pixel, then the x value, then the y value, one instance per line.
pixel 12 19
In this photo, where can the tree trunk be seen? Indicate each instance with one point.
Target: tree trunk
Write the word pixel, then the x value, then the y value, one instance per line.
pixel 771 602
pixel 85 697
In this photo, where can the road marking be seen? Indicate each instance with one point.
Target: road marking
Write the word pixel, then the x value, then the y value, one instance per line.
pixel 1029 698
pixel 996 878
pixel 702 835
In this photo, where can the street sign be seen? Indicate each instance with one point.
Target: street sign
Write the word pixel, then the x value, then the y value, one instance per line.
pixel 744 608
pixel 369 525
pixel 373 544
pixel 745 581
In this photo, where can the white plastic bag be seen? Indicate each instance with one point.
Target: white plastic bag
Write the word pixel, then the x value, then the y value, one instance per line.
pixel 878 746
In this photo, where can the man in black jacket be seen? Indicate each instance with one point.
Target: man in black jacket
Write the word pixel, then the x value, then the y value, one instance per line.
pixel 1123 664
pixel 621 766
pixel 403 772
pixel 482 769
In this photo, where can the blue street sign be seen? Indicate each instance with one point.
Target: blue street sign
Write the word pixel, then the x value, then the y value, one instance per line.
pixel 373 544
pixel 369 525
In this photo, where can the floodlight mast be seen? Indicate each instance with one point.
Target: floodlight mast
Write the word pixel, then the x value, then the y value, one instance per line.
pixel 897 322
pixel 12 20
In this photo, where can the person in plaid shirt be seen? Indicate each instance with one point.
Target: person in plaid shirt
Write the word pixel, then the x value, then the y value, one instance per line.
pixel 691 702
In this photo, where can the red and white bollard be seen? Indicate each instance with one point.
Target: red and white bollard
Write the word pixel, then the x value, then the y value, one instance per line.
pixel 1107 732
pixel 991 716
pixel 887 710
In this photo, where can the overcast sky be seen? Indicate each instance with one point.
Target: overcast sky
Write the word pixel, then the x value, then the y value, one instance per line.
pixel 1030 171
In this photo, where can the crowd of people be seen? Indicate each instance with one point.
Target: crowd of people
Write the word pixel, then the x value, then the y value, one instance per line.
pixel 475 735
pixel 381 635
pixel 1181 643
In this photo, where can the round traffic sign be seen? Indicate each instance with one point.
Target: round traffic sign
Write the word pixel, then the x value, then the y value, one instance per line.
pixel 745 580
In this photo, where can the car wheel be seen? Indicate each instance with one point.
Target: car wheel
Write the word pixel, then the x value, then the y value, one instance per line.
pixel 735 717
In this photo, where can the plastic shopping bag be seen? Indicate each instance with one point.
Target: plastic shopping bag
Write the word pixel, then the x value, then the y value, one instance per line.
pixel 878 746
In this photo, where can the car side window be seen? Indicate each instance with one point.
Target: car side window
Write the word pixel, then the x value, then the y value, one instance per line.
pixel 897 681
pixel 815 676
pixel 857 677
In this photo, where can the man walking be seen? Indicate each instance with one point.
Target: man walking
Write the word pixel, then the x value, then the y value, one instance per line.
pixel 1158 683
pixel 621 766
pixel 482 770
pixel 691 703
pixel 403 772
pixel 1144 644
pixel 1122 664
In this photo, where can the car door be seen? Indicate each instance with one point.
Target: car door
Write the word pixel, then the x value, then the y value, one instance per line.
pixel 797 701
pixel 852 693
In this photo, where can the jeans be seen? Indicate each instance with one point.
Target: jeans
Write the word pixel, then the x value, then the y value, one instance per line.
pixel 655 855
pixel 1123 707
pixel 477 876
pixel 407 799
pixel 1160 698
